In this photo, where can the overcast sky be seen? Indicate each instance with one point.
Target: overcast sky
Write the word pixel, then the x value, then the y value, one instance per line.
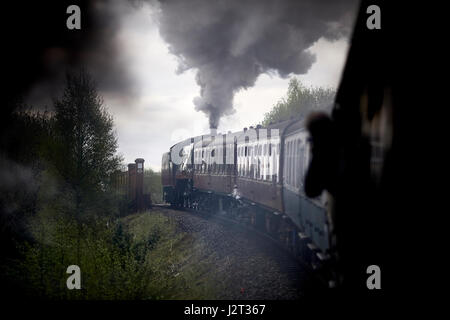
pixel 164 112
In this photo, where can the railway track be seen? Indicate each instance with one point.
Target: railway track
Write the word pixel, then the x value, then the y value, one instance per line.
pixel 289 263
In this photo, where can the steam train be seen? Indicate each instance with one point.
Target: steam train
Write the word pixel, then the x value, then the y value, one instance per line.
pixel 360 160
pixel 255 176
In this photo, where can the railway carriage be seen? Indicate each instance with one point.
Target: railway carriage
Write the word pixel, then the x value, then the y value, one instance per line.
pixel 363 168
pixel 256 176
pixel 310 215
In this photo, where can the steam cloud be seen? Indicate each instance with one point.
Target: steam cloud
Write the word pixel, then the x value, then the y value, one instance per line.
pixel 231 42
pixel 41 49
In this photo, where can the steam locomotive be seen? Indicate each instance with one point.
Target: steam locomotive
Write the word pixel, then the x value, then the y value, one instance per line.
pixel 255 176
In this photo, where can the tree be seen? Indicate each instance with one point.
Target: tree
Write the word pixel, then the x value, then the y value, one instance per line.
pixel 86 142
pixel 299 101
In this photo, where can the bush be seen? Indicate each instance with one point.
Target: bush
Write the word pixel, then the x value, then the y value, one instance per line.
pixel 113 266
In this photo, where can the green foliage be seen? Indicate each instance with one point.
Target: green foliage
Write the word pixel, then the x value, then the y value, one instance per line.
pixel 142 256
pixel 177 261
pixel 85 153
pixel 56 200
pixel 59 187
pixel 22 145
pixel 112 265
pixel 299 101
pixel 26 136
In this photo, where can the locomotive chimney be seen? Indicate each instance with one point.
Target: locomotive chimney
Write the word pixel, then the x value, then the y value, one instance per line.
pixel 213 131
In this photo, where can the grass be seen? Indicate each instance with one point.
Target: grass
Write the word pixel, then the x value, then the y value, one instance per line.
pixel 140 256
pixel 177 268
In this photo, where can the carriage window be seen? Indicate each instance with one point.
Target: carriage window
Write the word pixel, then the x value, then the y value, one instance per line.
pixel 291 162
pixel 247 167
pixel 294 164
pixel 287 161
pixel 301 165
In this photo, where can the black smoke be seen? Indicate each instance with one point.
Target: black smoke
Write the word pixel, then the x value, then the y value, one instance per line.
pixel 39 49
pixel 231 42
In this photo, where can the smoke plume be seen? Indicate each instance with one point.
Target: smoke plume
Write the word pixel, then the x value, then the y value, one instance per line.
pixel 231 42
pixel 40 49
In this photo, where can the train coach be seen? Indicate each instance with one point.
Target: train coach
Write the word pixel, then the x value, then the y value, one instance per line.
pixel 254 176
pixel 362 159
